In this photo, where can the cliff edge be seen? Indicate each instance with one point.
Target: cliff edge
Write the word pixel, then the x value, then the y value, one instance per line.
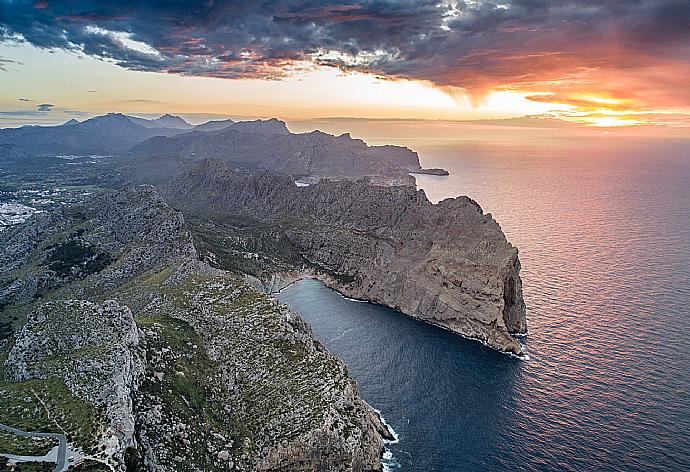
pixel 448 264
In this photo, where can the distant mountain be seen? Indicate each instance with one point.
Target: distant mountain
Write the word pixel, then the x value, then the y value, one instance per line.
pixel 155 150
pixel 214 125
pixel 267 144
pixel 107 134
pixel 529 121
pixel 165 121
pixel 265 127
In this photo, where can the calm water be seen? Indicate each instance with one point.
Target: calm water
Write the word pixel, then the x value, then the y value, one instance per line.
pixel 603 229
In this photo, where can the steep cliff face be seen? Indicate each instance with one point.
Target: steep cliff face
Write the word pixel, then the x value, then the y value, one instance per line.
pixel 448 264
pixel 149 359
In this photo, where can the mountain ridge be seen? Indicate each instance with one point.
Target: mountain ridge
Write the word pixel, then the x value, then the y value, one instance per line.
pixel 168 142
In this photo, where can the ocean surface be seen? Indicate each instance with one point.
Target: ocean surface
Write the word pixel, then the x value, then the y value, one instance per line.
pixel 603 228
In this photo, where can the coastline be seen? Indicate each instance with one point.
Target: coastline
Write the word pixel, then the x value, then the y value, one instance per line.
pixel 280 282
pixel 290 278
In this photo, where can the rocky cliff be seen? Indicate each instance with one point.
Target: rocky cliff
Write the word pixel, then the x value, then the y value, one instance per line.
pixel 148 359
pixel 448 264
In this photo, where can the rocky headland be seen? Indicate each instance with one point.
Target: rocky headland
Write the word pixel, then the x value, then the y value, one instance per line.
pixel 448 264
pixel 268 145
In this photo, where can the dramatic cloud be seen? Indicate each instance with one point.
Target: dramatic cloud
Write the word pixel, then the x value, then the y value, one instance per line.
pixel 638 49
pixel 45 107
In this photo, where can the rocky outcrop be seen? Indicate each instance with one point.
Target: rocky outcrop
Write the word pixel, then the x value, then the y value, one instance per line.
pixel 430 171
pixel 448 264
pixel 153 360
pixel 95 348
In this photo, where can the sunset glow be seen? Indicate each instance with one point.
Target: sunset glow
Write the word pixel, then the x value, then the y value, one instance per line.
pixel 594 65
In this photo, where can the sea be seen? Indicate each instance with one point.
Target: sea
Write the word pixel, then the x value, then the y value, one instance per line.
pixel 603 229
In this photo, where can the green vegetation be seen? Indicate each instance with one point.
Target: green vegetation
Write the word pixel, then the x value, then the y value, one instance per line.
pixel 259 249
pixel 244 245
pixel 11 443
pixel 6 330
pixel 48 406
pixel 188 388
pixel 28 467
pixel 274 370
pixel 76 257
pixel 91 466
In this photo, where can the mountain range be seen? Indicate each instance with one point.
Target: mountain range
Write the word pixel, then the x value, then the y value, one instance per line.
pixel 164 147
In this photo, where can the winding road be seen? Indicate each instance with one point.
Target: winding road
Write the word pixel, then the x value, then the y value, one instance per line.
pixel 62 445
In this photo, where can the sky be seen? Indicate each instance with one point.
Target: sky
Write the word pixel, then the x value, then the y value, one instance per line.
pixel 605 65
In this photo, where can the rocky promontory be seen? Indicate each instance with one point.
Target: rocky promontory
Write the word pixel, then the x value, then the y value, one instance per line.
pixel 431 171
pixel 448 264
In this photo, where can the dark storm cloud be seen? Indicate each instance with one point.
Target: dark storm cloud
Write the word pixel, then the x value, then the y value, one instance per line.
pixel 43 107
pixel 475 45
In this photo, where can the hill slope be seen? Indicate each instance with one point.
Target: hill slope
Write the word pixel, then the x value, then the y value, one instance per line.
pixel 151 360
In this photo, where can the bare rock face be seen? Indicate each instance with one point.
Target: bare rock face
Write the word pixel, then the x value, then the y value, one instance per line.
pixel 448 264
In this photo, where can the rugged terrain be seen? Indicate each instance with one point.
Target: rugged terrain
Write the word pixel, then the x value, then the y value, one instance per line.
pixel 268 145
pixel 139 322
pixel 115 334
pixel 448 264
pixel 155 150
